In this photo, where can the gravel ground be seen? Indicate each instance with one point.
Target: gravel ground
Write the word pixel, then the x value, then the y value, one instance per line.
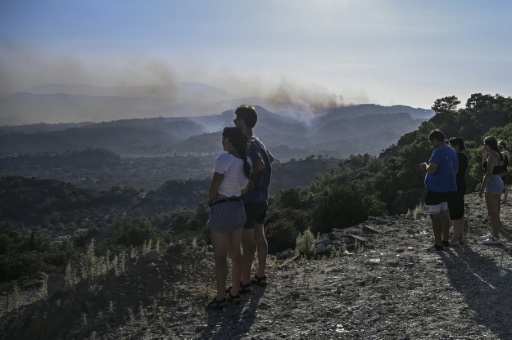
pixel 384 286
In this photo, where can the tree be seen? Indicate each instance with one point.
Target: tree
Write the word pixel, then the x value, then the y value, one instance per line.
pixel 446 105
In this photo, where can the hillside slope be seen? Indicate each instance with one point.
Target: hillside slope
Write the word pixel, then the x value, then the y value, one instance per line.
pixel 378 283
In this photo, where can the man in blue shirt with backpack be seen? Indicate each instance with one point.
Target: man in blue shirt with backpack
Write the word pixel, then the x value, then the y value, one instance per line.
pixel 255 201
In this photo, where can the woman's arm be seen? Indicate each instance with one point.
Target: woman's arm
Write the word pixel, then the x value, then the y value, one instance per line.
pixel 214 186
pixel 491 163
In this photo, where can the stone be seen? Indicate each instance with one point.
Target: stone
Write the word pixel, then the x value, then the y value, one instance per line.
pixel 323 249
pixel 152 255
pixel 54 282
pixel 368 229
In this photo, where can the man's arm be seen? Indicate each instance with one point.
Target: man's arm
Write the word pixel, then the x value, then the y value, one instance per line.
pixel 431 168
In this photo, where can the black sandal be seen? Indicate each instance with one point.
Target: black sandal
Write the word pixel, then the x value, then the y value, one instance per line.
pixel 233 299
pixel 259 281
pixel 214 304
pixel 244 289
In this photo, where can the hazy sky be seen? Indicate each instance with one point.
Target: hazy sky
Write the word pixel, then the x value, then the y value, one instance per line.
pixel 388 52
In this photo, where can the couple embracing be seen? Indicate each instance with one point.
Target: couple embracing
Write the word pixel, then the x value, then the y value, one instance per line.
pixel 238 204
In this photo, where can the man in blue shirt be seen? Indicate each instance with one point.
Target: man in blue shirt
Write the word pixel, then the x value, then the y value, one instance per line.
pixel 440 181
pixel 255 201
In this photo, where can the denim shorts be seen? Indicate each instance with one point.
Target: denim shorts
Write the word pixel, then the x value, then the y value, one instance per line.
pixel 495 186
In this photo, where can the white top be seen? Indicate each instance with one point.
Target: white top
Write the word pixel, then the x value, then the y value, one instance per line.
pixel 232 168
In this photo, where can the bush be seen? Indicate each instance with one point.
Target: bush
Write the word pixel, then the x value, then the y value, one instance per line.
pixel 299 218
pixel 134 232
pixel 281 235
pixel 343 206
pixel 24 264
pixel 305 244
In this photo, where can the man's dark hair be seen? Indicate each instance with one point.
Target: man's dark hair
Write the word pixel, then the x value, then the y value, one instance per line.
pixel 436 134
pixel 248 114
pixel 457 141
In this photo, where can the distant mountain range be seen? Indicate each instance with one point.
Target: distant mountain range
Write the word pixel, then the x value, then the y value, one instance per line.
pixel 188 120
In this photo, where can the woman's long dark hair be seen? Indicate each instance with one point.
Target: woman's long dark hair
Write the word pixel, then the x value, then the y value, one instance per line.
pixel 240 142
pixel 492 142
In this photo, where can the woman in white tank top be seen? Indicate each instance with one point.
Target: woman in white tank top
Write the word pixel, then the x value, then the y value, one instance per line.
pixel 227 213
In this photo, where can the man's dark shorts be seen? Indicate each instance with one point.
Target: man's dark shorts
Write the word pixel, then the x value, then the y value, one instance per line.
pixel 456 205
pixel 434 197
pixel 256 214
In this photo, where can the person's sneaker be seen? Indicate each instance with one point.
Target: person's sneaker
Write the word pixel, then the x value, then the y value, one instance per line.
pixel 485 237
pixel 446 244
pixel 492 240
pixel 434 249
pixel 454 243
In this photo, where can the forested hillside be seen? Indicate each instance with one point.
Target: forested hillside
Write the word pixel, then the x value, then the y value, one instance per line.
pixel 337 133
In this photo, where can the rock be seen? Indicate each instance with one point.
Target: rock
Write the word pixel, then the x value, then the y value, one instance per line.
pixel 360 239
pixel 175 249
pixel 373 261
pixel 56 295
pixel 324 242
pixel 54 282
pixel 16 325
pixel 368 229
pixel 323 249
pixel 59 270
pixel 152 255
pixel 335 236
pixel 286 254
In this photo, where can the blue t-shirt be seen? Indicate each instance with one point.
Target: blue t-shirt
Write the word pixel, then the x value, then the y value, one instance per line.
pixel 258 152
pixel 445 177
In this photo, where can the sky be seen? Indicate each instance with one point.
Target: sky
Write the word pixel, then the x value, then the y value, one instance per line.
pixel 388 52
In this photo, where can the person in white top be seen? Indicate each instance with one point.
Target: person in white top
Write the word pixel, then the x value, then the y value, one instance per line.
pixel 227 213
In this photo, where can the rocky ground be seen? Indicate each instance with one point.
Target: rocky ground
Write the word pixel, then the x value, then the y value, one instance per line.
pixel 376 283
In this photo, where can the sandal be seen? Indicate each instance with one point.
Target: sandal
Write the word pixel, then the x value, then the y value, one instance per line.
pixel 244 289
pixel 214 304
pixel 259 281
pixel 233 299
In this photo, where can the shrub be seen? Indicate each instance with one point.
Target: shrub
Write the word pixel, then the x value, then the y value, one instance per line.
pixel 299 218
pixel 305 244
pixel 281 235
pixel 134 232
pixel 24 264
pixel 342 206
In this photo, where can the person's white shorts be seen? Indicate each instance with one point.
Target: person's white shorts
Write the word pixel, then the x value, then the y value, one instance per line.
pixel 437 209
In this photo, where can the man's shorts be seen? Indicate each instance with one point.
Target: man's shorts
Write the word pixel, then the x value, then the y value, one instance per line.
pixel 256 214
pixel 436 202
pixel 456 205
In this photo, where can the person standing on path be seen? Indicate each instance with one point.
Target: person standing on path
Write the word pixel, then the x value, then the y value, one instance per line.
pixel 440 180
pixel 502 146
pixel 255 201
pixel 227 214
pixel 456 200
pixel 493 186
